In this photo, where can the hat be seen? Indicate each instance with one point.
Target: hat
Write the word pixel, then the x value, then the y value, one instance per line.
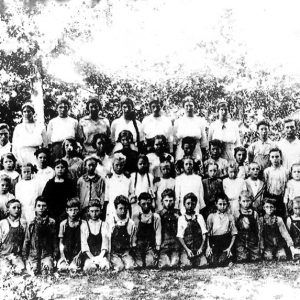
pixel 28 104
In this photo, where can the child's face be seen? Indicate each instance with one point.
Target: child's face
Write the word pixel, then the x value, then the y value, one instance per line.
pixel 188 165
pixel 222 205
pixel 73 212
pixel 263 132
pixel 254 171
pixel 121 211
pixel 168 203
pixel 62 110
pixel 158 145
pixel 26 173
pixel 269 208
pixel 245 202
pixel 125 141
pixel 142 165
pixel 14 209
pixel 4 187
pixel 212 171
pixel 275 158
pixel 69 147
pixel 41 208
pixel 100 146
pixel 296 172
pixel 42 160
pixel 60 170
pixel 190 206
pixel 94 108
pixel 214 152
pixel 3 137
pixel 155 108
pixel 188 149
pixel 8 164
pixel 94 213
pixel 90 166
pixel 145 205
pixel 232 173
pixel 296 209
pixel 118 167
pixel 165 169
pixel 239 156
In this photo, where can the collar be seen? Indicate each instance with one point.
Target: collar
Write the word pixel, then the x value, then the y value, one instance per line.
pixel 246 211
pixel 87 179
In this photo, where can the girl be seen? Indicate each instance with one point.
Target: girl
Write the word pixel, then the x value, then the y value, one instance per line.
pixel 8 162
pixel 240 155
pixel 188 183
pixel 140 182
pixel 5 144
pixel 58 190
pixel 44 172
pixel 5 195
pixel 27 192
pixel 233 186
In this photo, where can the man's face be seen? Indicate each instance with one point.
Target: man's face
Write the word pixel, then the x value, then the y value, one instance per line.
pixel 290 129
pixel 4 136
pixel 168 202
pixel 155 108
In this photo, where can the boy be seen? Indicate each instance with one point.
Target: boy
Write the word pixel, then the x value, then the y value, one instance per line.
pixel 191 234
pixel 221 233
pixel 69 238
pixel 94 239
pixel 274 235
pixel 12 233
pixel 40 245
pixel 148 226
pixel 5 195
pixel 169 251
pixel 247 245
pixel 122 233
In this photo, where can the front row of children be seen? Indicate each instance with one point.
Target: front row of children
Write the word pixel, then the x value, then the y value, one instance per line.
pixel 164 239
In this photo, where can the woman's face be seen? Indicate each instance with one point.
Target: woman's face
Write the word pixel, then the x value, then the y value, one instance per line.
pixel 93 108
pixel 223 111
pixel 69 147
pixel 27 113
pixel 189 107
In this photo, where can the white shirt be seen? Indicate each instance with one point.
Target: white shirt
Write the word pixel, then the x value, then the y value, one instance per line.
pixel 5 149
pixel 182 224
pixel 234 187
pixel 276 179
pixel 292 190
pixel 290 152
pixel 159 187
pixel 4 227
pixel 42 177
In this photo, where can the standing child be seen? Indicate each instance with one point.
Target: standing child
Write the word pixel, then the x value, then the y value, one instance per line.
pixel 221 234
pixel 247 240
pixel 170 247
pixel 148 226
pixel 122 236
pixel 5 195
pixel 273 236
pixel 8 162
pixel 5 144
pixel 27 192
pixel 40 245
pixel 276 177
pixel 188 183
pixel 192 234
pixel 69 238
pixel 240 155
pixel 94 239
pixel 163 182
pixel 12 233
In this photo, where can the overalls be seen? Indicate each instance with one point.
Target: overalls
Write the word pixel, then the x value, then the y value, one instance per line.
pixel 120 239
pixel 295 232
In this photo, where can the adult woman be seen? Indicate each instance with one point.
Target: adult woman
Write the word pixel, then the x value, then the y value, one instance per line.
pixel 190 125
pixel 28 136
pixel 92 124
pixel 225 130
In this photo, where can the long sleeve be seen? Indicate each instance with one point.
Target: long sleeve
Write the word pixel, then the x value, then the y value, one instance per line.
pixel 84 234
pixel 204 140
pixel 284 232
pixel 49 131
pixel 157 227
pixel 113 132
pixel 27 241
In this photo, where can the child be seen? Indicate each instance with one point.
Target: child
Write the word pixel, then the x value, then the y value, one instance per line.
pixel 122 236
pixel 69 238
pixel 40 245
pixel 5 144
pixel 44 172
pixel 5 195
pixel 148 226
pixel 292 187
pixel 212 186
pixel 169 251
pixel 90 185
pixel 27 192
pixel 117 184
pixel 140 182
pixel 188 183
pixel 256 187
pixel 276 177
pixel 259 151
pixel 8 162
pixel 188 145
pixel 221 234
pixel 273 236
pixel 58 191
pixel 192 234
pixel 240 155
pixel 247 240
pixel 164 182
pixel 233 186
pixel 215 151
pixel 12 233
pixel 94 239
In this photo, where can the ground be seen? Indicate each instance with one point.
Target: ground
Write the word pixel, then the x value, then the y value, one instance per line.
pixel 250 281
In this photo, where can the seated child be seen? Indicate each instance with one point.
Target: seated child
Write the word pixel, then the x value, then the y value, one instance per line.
pixel 148 226
pixel 192 234
pixel 240 155
pixel 169 251
pixel 247 239
pixel 122 234
pixel 221 234
pixel 5 195
pixel 12 233
pixel 94 239
pixel 274 235
pixel 69 238
pixel 40 245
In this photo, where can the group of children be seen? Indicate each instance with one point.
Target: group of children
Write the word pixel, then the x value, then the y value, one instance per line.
pixel 130 210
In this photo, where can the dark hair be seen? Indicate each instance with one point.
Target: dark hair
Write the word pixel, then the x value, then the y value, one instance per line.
pixel 74 144
pixel 9 156
pixel 104 139
pixel 42 150
pixel 121 200
pixel 221 196
pixel 6 178
pixel 168 193
pixel 263 123
pixel 270 201
pixel 92 100
pixel 29 165
pixel 63 101
pixel 144 196
pixel 94 202
pixel 188 99
pixel 127 134
pixel 161 137
pixel 40 199
pixel 11 201
pixel 60 161
pixel 216 143
pixel 242 149
pixel 126 101
pixel 288 120
pixel 191 196
pixel 188 157
pixel 145 158
pixel 73 202
pixel 275 150
pixel 154 100
pixel 4 126
pixel 188 140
